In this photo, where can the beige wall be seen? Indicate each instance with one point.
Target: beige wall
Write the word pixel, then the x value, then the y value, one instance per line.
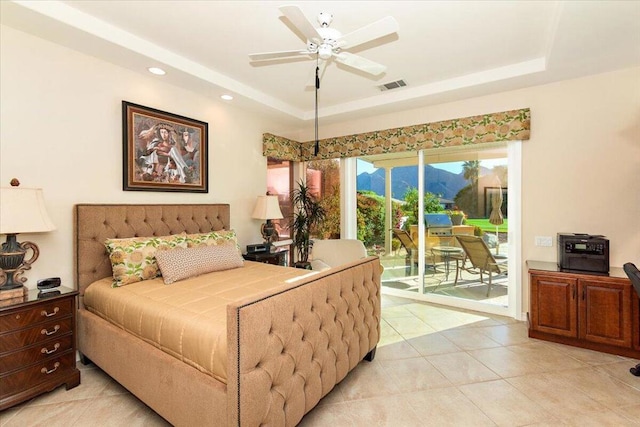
pixel 61 130
pixel 581 167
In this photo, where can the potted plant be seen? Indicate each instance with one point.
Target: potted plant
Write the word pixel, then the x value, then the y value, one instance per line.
pixel 457 216
pixel 308 216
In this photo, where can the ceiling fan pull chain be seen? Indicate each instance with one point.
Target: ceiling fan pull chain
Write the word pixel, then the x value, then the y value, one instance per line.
pixel 317 145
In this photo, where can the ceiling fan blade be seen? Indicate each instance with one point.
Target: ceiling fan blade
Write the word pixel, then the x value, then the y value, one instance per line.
pixel 375 30
pixel 297 18
pixel 277 55
pixel 360 63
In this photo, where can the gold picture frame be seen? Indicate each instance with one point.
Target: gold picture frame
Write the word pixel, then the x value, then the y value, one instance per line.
pixel 163 151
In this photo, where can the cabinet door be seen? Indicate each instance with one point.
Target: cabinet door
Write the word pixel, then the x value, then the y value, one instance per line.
pixel 605 312
pixel 554 307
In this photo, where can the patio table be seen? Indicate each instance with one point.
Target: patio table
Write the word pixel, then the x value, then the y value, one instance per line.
pixel 447 253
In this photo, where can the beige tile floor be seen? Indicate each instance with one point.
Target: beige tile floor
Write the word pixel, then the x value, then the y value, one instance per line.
pixel 435 366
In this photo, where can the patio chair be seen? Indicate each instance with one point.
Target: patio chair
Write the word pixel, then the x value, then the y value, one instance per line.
pixel 409 245
pixel 634 276
pixel 482 260
pixel 412 251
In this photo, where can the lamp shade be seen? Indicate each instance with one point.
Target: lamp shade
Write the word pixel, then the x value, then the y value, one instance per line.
pixel 267 207
pixel 22 210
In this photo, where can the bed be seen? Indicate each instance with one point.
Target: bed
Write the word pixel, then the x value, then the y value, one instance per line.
pixel 324 324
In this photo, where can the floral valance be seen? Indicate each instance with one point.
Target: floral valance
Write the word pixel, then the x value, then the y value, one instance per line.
pixel 495 127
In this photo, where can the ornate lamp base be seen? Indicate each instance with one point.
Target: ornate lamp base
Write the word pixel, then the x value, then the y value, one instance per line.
pixel 12 263
pixel 269 233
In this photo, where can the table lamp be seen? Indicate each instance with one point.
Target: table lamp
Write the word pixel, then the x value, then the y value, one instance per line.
pixel 22 210
pixel 268 208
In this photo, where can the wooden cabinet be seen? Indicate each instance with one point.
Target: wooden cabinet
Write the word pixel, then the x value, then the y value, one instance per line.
pixel 37 346
pixel 604 309
pixel 553 305
pixel 590 311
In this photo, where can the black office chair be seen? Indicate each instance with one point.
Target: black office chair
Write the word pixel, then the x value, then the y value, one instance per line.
pixel 634 275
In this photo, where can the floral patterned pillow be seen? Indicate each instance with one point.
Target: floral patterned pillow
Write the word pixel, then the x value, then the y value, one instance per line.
pixel 219 237
pixel 133 259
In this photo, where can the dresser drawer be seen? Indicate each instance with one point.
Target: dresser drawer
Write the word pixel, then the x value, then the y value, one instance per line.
pixel 37 345
pixel 36 334
pixel 49 311
pixel 49 370
pixel 36 353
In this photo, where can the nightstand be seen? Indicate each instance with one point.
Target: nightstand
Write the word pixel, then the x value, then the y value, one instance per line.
pixel 37 346
pixel 279 257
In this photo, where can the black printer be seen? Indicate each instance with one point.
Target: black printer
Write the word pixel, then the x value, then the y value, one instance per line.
pixel 583 252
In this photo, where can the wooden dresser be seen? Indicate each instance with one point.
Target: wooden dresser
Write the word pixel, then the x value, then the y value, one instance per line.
pixel 598 312
pixel 37 346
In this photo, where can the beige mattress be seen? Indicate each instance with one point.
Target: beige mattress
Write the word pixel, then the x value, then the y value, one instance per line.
pixel 186 319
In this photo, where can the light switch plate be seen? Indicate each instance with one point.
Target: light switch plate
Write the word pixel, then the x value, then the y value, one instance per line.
pixel 546 241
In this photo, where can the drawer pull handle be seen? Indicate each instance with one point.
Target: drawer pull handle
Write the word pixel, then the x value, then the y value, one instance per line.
pixel 45 350
pixel 44 312
pixel 50 371
pixel 55 329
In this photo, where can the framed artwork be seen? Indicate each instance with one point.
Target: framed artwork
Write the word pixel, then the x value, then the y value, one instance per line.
pixel 163 151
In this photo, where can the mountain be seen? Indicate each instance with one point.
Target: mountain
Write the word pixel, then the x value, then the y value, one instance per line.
pixel 437 181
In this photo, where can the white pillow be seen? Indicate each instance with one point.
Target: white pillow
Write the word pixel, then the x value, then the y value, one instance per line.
pixel 182 263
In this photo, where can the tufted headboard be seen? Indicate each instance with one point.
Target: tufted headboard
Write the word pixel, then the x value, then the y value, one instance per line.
pixel 93 224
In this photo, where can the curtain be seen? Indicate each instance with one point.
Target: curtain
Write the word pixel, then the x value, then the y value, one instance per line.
pixel 494 127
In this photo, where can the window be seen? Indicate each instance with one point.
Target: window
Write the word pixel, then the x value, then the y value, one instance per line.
pixel 323 178
pixel 280 182
pixel 473 180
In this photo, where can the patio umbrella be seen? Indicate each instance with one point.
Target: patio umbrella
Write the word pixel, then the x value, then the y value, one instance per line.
pixel 495 217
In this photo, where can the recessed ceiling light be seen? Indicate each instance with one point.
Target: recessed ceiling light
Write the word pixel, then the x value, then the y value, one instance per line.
pixel 226 97
pixel 157 71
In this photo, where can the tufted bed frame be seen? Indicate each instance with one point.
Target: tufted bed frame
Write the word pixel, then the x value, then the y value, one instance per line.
pixel 327 322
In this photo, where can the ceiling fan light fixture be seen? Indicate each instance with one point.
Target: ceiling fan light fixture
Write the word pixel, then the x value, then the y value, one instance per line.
pixel 324 42
pixel 325 51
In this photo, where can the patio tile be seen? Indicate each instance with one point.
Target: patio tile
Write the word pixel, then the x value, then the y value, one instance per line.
pixel 414 375
pixel 432 344
pixel 504 362
pixel 461 368
pixel 515 333
pixel 447 407
pixel 504 404
pixel 599 386
pixel 556 395
pixel 547 358
pixel 469 339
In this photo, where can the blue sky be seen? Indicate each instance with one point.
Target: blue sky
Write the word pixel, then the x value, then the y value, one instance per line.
pixel 453 167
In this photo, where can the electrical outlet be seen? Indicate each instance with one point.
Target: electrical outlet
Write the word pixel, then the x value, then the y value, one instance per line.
pixel 544 241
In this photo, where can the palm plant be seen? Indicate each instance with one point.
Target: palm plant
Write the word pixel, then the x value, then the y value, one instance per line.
pixel 308 216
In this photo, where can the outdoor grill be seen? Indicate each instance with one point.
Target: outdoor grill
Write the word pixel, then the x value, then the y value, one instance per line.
pixel 438 225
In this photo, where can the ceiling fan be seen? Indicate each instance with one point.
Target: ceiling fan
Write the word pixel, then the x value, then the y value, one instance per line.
pixel 325 43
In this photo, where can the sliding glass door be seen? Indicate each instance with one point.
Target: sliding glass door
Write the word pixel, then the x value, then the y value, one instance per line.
pixel 445 224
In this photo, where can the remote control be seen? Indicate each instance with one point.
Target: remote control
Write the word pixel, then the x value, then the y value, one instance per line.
pixel 51 282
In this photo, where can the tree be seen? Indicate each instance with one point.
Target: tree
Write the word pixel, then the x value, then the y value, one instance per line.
pixel 308 216
pixel 370 218
pixel 330 227
pixel 467 198
pixel 410 207
pixel 328 194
